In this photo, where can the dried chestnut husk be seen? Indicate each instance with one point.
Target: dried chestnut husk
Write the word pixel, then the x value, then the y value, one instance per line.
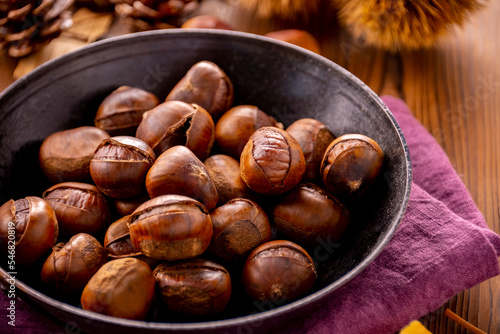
pixel 179 171
pixel 193 287
pixel 171 227
pixel 351 164
pixel 272 161
pixel 225 174
pixel 278 271
pixel 125 206
pixel 79 207
pixel 118 245
pixel 313 138
pixel 178 123
pixel 235 127
pixel 28 229
pixel 122 288
pixel 240 225
pixel 66 155
pixel 308 213
pixel 120 113
pixel 207 85
pixel 71 265
pixel 120 165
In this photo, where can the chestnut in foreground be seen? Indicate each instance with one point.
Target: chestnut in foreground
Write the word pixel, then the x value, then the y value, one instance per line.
pixel 28 229
pixel 207 85
pixel 66 155
pixel 71 265
pixel 351 164
pixel 122 288
pixel 79 207
pixel 171 227
pixel 272 161
pixel 193 287
pixel 278 271
pixel 308 213
pixel 240 225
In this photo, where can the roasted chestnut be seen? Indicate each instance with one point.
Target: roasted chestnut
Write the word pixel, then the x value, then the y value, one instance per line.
pixel 79 207
pixel 278 271
pixel 179 171
pixel 207 85
pixel 193 287
pixel 308 213
pixel 178 123
pixel 66 155
pixel 125 206
pixel 171 227
pixel 272 161
pixel 240 225
pixel 121 112
pixel 28 229
pixel 225 174
pixel 205 22
pixel 122 288
pixel 235 127
pixel 120 165
pixel 313 138
pixel 71 265
pixel 351 164
pixel 117 243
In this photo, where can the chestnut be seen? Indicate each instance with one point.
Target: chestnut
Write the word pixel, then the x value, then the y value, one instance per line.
pixel 71 265
pixel 297 37
pixel 308 213
pixel 120 165
pixel 178 123
pixel 205 22
pixel 225 174
pixel 79 207
pixel 239 226
pixel 207 85
pixel 122 288
pixel 279 271
pixel 120 112
pixel 272 161
pixel 179 171
pixel 28 229
pixel 313 138
pixel 171 227
pixel 193 287
pixel 117 243
pixel 351 164
pixel 235 127
pixel 66 155
pixel 125 206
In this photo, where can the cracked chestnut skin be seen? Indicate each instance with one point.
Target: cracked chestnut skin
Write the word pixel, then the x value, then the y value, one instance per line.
pixel 178 123
pixel 171 227
pixel 79 207
pixel 122 288
pixel 193 287
pixel 207 85
pixel 71 265
pixel 120 165
pixel 272 161
pixel 308 213
pixel 278 271
pixel 240 225
pixel 120 113
pixel 35 228
pixel 351 164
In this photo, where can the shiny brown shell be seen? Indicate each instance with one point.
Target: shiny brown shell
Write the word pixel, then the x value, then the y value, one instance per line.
pixel 171 227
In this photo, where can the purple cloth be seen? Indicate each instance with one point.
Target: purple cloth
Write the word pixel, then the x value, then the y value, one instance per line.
pixel 443 246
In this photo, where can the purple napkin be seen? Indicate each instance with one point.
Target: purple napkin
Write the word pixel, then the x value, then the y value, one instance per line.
pixel 443 246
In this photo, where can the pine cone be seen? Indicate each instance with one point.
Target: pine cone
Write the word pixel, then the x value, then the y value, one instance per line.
pixel 154 14
pixel 27 25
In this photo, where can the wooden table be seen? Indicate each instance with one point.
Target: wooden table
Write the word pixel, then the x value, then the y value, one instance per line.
pixel 453 88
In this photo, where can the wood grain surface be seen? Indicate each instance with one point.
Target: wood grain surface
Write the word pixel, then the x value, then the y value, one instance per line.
pixel 453 88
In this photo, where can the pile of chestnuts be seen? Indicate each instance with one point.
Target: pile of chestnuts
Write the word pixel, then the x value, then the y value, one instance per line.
pixel 174 205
